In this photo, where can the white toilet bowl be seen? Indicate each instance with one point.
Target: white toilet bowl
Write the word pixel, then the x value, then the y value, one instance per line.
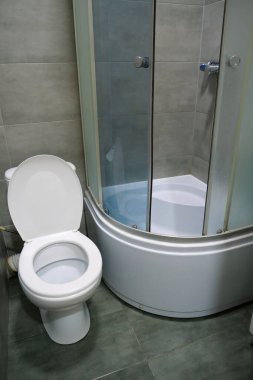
pixel 59 268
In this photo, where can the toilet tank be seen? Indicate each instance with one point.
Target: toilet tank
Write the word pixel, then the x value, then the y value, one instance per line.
pixel 9 172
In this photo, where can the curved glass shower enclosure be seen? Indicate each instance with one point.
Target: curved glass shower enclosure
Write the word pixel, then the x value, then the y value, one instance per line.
pixel 148 109
pixel 166 95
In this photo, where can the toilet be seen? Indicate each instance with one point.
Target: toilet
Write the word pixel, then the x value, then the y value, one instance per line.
pixel 59 267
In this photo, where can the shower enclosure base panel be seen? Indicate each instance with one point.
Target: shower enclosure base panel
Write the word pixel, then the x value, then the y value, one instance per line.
pixel 176 277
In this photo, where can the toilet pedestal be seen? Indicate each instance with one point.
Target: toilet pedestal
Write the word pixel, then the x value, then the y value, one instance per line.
pixel 67 326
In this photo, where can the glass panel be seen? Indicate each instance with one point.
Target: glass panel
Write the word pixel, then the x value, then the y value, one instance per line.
pixel 123 30
pixel 231 156
pixel 187 38
pixel 86 75
pixel 241 206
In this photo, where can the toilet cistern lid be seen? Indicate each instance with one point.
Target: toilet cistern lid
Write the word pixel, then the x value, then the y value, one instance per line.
pixel 45 197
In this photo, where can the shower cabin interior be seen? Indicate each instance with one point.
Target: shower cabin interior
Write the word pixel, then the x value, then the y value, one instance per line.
pixel 165 96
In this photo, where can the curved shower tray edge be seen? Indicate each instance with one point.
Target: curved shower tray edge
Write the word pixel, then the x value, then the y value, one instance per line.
pixel 170 276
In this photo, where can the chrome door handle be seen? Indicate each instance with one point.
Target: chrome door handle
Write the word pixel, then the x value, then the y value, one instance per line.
pixel 212 67
pixel 141 62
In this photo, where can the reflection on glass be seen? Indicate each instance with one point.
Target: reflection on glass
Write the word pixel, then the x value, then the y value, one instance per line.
pixel 122 31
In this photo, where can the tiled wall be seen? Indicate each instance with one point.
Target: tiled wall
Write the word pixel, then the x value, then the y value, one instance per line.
pixel 4 312
pixel 39 98
pixel 177 50
pixel 187 33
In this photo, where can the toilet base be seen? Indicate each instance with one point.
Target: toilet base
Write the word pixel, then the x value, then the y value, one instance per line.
pixel 67 326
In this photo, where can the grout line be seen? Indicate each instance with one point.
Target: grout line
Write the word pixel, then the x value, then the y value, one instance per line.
pixel 159 61
pixel 117 370
pixel 40 122
pixel 187 5
pixel 214 2
pixel 26 338
pixel 37 63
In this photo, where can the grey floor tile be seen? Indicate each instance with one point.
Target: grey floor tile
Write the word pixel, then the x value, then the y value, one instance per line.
pixel 13 241
pixel 109 324
pixel 224 356
pixel 121 338
pixel 103 302
pixel 24 319
pixel 39 358
pixel 160 335
pixel 14 288
pixel 138 372
pixel 249 307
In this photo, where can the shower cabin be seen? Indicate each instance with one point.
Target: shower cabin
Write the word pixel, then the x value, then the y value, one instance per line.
pixel 166 91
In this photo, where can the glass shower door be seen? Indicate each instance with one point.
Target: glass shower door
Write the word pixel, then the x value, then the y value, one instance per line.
pixel 123 39
pixel 229 201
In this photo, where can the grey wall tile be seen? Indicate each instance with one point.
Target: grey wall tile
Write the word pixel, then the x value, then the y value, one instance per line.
pixel 172 166
pixel 129 143
pixel 130 29
pixel 38 92
pixel 4 154
pixel 202 135
pixel 117 25
pixel 62 139
pixel 36 31
pixel 207 90
pixel 212 29
pixel 103 84
pixel 5 218
pixel 207 2
pixel 106 139
pixel 1 118
pixel 178 32
pixel 175 86
pixel 173 135
pixel 101 29
pixel 130 89
pixel 199 168
pixel 4 317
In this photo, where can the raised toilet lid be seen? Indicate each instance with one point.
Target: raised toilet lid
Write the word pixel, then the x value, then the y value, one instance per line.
pixel 45 197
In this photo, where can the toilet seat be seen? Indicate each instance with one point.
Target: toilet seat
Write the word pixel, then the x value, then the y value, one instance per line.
pixel 39 287
pixel 45 197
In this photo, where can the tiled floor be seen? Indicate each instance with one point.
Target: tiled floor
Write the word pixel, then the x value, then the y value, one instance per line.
pixel 127 344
